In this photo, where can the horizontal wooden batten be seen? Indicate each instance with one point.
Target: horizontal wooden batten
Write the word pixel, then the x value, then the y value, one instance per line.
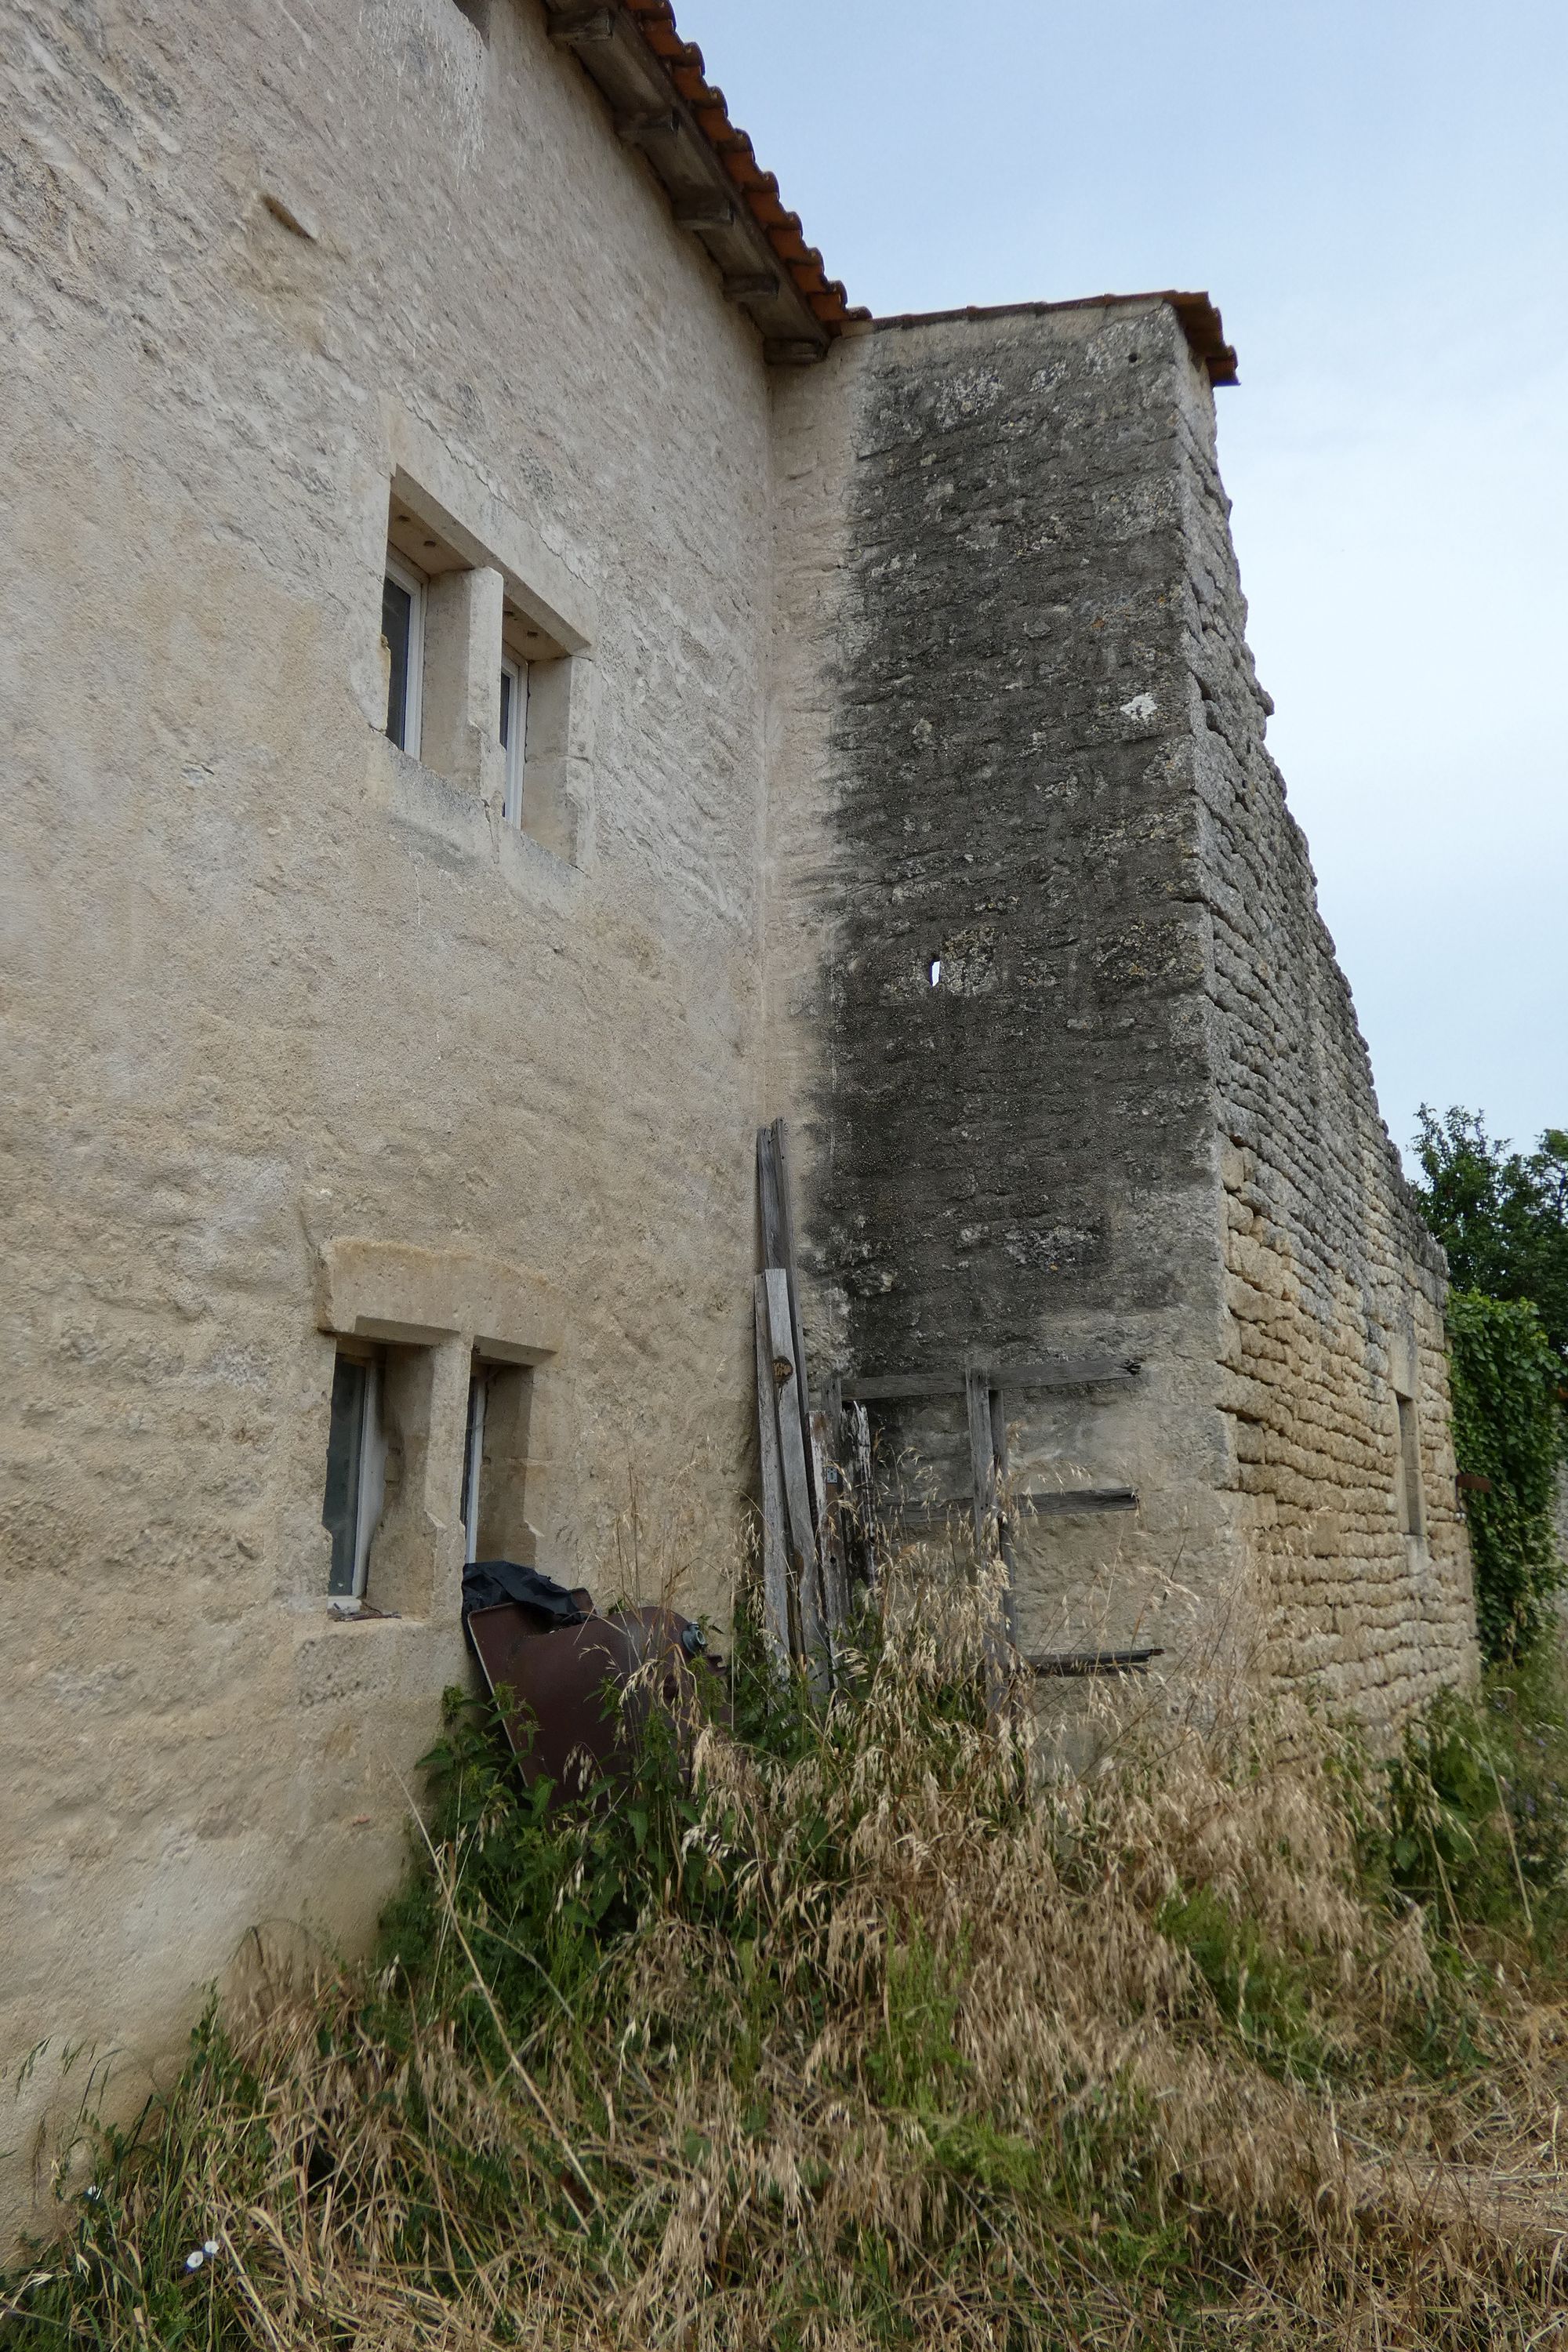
pixel 1073 1373
pixel 650 114
pixel 1058 1502
pixel 1093 1662
pixel 1046 1502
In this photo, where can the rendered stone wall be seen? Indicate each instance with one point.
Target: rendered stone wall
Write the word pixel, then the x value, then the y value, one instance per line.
pixel 269 983
pixel 1019 737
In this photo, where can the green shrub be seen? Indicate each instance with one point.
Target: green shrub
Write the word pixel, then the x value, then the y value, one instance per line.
pixel 1508 1429
pixel 1477 1822
pixel 851 2034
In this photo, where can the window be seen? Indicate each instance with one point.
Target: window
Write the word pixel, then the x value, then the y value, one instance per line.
pixel 474 1456
pixel 488 686
pixel 1411 1516
pixel 356 1469
pixel 403 632
pixel 494 1495
pixel 513 733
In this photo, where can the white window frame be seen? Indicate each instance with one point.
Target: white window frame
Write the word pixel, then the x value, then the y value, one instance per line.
pixel 370 1477
pixel 473 1460
pixel 516 737
pixel 414 582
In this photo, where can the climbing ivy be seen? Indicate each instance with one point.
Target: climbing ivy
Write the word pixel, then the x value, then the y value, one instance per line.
pixel 1508 1431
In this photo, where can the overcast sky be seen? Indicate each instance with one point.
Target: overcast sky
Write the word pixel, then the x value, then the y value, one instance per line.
pixel 1376 193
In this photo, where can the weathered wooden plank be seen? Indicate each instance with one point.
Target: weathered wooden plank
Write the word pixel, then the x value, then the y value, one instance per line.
pixel 982 1463
pixel 776 1535
pixel 863 1487
pixel 1093 1662
pixel 998 1403
pixel 1047 1501
pixel 778 1249
pixel 769 1212
pixel 788 1261
pixel 830 1540
pixel 898 1388
pixel 796 1476
pixel 1072 1372
pixel 982 1509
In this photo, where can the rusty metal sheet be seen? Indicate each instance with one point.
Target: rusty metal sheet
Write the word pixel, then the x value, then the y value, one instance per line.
pixel 559 1692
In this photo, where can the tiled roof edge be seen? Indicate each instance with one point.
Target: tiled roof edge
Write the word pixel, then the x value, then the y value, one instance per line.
pixel 1201 321
pixel 758 189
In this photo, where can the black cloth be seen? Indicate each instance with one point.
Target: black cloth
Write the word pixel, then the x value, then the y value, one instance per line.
pixel 491 1583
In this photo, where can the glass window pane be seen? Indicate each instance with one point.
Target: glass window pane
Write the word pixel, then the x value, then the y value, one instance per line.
pixel 397 621
pixel 506 707
pixel 340 1508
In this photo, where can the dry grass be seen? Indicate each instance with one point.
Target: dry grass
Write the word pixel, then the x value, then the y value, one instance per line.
pixel 861 2038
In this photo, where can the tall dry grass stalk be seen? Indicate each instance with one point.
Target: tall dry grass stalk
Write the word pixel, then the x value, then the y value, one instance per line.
pixel 853 2032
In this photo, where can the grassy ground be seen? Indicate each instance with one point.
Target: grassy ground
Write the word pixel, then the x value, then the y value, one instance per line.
pixel 846 2033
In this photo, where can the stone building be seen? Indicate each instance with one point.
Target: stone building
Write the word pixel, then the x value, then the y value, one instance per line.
pixel 509 680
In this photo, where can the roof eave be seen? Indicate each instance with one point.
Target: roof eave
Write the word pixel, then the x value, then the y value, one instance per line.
pixel 660 101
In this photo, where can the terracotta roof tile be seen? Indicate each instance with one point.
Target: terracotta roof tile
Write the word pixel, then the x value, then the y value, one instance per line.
pixel 759 189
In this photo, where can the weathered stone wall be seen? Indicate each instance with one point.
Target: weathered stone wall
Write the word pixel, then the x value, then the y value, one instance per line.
pixel 980 721
pixel 270 982
pixel 1335 1287
pixel 1019 737
pixel 305 1037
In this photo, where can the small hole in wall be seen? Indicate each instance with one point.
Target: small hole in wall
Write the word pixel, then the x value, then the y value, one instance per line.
pixel 935 973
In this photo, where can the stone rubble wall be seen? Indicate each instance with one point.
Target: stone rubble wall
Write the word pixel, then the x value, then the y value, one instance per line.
pixel 1016 733
pixel 982 761
pixel 1334 1287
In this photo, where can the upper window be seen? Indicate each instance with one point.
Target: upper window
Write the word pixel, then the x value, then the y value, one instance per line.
pixel 513 732
pixel 484 687
pixel 403 632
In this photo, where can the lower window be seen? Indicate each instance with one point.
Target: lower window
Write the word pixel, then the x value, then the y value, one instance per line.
pixel 356 1471
pixel 493 1504
pixel 403 632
